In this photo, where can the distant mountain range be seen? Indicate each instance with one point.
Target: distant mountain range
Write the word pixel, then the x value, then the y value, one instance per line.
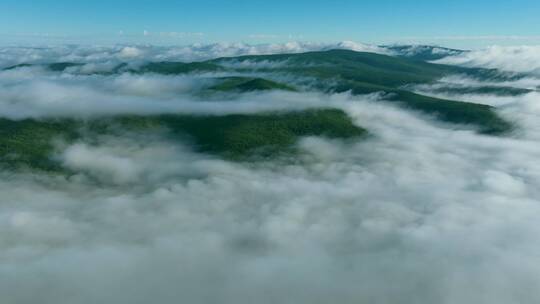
pixel 28 142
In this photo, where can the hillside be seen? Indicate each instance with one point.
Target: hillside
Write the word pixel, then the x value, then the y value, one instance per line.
pixel 249 84
pixel 344 71
pixel 30 143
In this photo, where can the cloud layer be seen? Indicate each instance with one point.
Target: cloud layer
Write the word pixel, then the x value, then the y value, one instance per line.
pixel 418 213
pixel 101 54
pixel 513 59
pixel 31 92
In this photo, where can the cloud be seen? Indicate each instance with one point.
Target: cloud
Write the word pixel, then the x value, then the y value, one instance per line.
pixel 412 50
pixel 508 58
pixel 33 92
pixel 100 162
pixel 463 81
pixel 360 47
pixel 130 52
pixel 98 54
pixel 417 213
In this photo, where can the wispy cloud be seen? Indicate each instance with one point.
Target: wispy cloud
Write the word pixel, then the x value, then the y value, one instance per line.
pixel 511 58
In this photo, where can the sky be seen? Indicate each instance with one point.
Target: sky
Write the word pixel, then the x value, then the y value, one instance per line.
pixel 457 23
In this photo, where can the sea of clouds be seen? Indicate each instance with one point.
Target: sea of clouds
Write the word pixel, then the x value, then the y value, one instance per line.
pixel 420 212
pixel 12 55
pixel 508 58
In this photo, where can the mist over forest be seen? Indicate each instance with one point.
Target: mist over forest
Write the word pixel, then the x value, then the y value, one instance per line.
pixel 269 173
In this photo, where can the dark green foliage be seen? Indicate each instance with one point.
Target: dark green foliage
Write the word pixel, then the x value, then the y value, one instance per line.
pixel 239 135
pixel 354 66
pixel 61 66
pixel 364 73
pixel 249 84
pixel 55 67
pixel 30 143
pixel 169 68
pixel 485 90
pixel 22 65
pixel 365 67
pixel 482 116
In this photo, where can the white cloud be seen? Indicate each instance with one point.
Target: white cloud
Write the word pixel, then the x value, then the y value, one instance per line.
pixel 101 162
pixel 130 52
pixel 52 95
pixel 530 83
pixel 513 59
pixel 360 47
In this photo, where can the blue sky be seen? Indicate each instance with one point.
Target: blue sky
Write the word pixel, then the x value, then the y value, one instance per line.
pixel 456 23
